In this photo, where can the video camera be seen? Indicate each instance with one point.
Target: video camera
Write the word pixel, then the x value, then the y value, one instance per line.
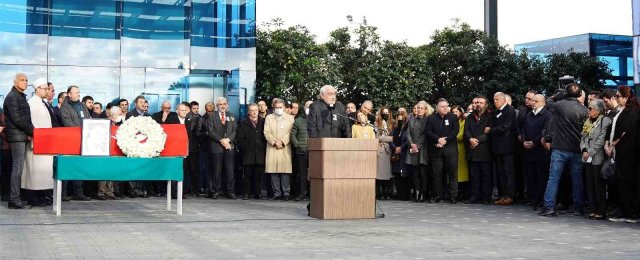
pixel 563 82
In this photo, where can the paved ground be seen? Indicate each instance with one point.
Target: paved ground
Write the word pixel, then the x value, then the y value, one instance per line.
pixel 225 229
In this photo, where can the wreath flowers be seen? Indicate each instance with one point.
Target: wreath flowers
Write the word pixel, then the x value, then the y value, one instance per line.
pixel 141 137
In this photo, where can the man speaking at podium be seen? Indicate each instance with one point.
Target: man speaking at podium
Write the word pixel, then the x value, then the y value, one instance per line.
pixel 327 117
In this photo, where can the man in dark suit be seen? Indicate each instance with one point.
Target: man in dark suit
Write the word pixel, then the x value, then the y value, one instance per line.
pixel 253 145
pixel 137 188
pixel 139 109
pixel 478 151
pixel 193 159
pixel 221 131
pixel 502 132
pixel 534 155
pixel 166 116
pixel 56 109
pixel 327 117
pixel 209 110
pixel 441 130
pixel 73 112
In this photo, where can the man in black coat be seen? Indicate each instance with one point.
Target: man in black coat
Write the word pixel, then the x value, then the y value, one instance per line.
pixel 534 154
pixel 253 146
pixel 327 117
pixel 139 108
pixel 137 188
pixel 441 130
pixel 221 132
pixel 18 130
pixel 478 151
pixel 502 132
pixel 564 133
pixel 193 159
pixel 166 116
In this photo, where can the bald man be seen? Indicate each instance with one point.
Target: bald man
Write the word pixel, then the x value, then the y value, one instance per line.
pixel 534 152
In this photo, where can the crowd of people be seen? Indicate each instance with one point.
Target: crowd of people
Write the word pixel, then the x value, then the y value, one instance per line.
pixel 566 153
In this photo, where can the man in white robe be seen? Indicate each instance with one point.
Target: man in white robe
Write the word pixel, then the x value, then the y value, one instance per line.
pixel 37 176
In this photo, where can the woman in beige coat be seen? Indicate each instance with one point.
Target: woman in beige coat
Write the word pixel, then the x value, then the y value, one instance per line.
pixel 277 131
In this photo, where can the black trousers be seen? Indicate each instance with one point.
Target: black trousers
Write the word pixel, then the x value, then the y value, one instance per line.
pixel 504 170
pixel 480 179
pixel 596 189
pixel 5 174
pixel 444 166
pixel 403 185
pixel 253 172
pixel 420 178
pixel 224 160
pixel 192 173
pixel 535 180
pixel 302 160
pixel 627 191
pixel 77 188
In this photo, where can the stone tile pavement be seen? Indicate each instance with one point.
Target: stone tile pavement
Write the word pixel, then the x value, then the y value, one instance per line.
pixel 256 229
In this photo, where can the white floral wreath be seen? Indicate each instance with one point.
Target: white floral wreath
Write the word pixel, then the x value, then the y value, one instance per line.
pixel 141 137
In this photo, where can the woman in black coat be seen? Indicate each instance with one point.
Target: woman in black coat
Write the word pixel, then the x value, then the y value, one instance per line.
pixel 253 146
pixel 622 143
pixel 399 146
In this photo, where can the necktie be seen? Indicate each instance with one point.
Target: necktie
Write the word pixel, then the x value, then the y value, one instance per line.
pixel 222 118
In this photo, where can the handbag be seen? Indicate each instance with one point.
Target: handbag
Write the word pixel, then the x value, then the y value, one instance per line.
pixel 394 157
pixel 608 171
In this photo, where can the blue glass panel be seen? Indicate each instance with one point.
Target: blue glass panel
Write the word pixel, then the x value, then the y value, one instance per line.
pixel 154 35
pixel 630 67
pixel 101 83
pixel 87 19
pixel 8 74
pixel 614 64
pixel 23 32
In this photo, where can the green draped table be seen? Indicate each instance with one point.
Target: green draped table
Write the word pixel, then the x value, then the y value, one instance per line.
pixel 117 168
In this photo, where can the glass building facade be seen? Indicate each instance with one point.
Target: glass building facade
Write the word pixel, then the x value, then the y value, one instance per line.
pixel 176 50
pixel 617 50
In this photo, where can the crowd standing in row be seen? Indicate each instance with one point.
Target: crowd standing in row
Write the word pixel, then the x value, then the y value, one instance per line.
pixel 552 147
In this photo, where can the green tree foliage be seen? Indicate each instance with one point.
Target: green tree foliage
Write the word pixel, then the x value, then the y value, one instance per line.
pixel 458 64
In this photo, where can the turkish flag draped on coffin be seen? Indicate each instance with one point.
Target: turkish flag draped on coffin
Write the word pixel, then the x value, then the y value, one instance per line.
pixel 68 141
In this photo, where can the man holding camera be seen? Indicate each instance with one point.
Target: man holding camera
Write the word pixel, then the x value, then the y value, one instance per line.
pixel 563 137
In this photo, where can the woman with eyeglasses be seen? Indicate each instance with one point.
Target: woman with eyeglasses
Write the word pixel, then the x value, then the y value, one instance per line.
pixel 592 142
pixel 622 144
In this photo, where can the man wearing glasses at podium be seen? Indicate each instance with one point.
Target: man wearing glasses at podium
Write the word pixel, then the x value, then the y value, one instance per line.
pixel 327 117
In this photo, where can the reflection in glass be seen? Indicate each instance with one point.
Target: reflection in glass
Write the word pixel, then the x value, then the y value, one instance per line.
pixel 8 74
pixel 101 83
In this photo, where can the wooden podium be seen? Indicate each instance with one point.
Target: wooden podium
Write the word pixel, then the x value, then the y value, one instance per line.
pixel 342 173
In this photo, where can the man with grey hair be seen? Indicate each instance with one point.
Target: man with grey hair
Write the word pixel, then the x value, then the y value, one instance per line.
pixel 327 116
pixel 19 130
pixel 253 145
pixel 165 115
pixel 535 160
pixel 441 131
pixel 221 131
pixel 502 132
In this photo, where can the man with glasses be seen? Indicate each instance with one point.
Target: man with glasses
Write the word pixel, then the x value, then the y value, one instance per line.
pixel 166 116
pixel 534 157
pixel 36 179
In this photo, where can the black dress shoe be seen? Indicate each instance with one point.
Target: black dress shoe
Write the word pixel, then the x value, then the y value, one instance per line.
pixel 66 198
pixel 435 200
pixel 245 197
pixel 231 196
pixel 19 205
pixel 285 198
pixel 215 196
pixel 102 197
pixel 81 198
pixel 453 201
pixel 548 213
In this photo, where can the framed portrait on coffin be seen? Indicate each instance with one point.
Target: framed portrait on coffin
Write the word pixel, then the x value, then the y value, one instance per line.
pixel 96 134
